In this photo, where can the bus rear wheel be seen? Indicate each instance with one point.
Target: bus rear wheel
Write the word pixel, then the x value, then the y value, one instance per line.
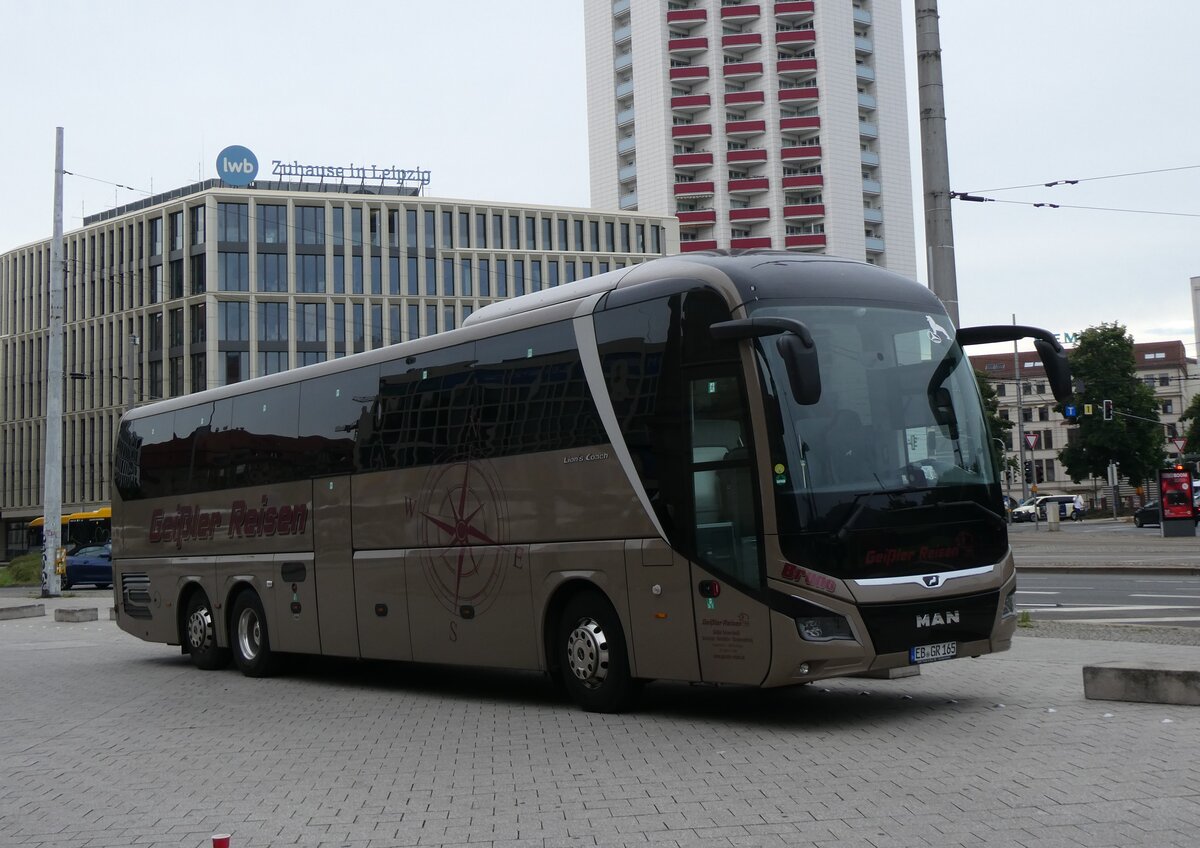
pixel 594 663
pixel 200 634
pixel 249 638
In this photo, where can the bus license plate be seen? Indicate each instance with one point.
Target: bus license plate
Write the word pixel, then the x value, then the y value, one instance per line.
pixel 932 653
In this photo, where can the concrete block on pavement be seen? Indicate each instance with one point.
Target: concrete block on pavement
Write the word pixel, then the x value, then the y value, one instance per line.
pixel 22 611
pixel 1147 682
pixel 76 614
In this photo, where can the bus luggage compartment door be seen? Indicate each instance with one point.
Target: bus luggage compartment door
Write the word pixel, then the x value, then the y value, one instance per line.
pixel 294 626
pixel 663 641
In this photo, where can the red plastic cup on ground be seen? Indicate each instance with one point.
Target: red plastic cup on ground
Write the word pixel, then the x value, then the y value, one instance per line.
pixel 220 840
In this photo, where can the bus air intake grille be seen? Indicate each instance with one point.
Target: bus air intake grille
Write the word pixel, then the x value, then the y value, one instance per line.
pixel 898 627
pixel 135 594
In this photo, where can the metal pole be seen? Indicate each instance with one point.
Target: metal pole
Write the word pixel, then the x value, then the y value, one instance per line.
pixel 52 474
pixel 939 229
pixel 130 343
pixel 1020 416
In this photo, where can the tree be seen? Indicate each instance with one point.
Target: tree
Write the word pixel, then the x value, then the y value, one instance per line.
pixel 1103 361
pixel 1192 431
pixel 997 426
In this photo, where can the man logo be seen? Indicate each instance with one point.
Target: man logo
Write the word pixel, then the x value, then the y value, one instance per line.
pixel 931 580
pixel 937 619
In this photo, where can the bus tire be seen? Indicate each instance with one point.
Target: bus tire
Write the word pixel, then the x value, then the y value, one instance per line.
pixel 200 634
pixel 249 639
pixel 594 663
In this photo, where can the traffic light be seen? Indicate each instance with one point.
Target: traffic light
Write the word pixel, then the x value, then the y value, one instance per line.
pixel 1028 471
pixel 1108 410
pixel 1041 475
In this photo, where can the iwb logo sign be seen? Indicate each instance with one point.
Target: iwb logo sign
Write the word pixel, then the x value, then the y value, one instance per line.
pixel 237 165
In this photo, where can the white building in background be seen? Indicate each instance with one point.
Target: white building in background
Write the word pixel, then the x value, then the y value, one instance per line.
pixel 210 284
pixel 772 124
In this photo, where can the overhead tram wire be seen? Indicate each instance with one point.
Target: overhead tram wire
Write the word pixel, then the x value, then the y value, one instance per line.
pixel 1086 179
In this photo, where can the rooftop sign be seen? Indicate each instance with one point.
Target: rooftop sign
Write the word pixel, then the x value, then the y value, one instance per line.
pixel 237 165
pixel 361 173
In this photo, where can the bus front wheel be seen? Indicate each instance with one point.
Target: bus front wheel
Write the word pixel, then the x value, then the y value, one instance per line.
pixel 594 661
pixel 249 638
pixel 200 634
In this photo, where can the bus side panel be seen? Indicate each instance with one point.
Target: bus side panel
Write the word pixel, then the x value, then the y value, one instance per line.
pixel 293 595
pixel 733 632
pixel 663 637
pixel 472 605
pixel 334 566
pixel 147 593
pixel 381 602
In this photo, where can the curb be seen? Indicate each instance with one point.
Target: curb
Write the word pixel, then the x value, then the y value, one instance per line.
pixel 8 613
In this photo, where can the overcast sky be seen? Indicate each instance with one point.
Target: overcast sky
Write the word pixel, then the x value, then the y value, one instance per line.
pixel 490 98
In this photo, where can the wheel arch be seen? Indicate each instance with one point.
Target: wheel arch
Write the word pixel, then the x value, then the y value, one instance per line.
pixel 557 601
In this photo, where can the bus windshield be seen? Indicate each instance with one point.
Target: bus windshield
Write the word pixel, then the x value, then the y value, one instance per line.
pixel 897 444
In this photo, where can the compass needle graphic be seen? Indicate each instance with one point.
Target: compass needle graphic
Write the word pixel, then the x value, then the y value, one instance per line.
pixel 463 520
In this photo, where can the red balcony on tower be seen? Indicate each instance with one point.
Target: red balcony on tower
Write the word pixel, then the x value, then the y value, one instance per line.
pixel 698 244
pixel 749 243
pixel 739 128
pixel 803 152
pixel 740 13
pixel 694 189
pixel 690 102
pixel 795 10
pixel 807 240
pixel 750 154
pixel 692 160
pixel 687 18
pixel 698 218
pixel 687 46
pixel 794 67
pixel 742 70
pixel 691 73
pixel 741 41
pixel 804 210
pixel 796 37
pixel 750 213
pixel 748 185
pixel 691 131
pixel 804 181
pixel 799 95
pixel 808 122
pixel 745 98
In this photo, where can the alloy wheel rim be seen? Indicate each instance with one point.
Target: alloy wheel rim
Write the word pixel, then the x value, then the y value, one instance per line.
pixel 200 629
pixel 249 634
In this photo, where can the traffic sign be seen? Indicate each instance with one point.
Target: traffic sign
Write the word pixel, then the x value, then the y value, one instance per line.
pixel 1180 443
pixel 1031 439
pixel 1069 411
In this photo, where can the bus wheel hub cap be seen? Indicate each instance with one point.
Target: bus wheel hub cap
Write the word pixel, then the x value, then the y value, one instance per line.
pixel 200 629
pixel 587 653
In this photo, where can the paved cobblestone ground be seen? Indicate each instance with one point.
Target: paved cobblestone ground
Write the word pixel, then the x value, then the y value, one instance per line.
pixel 108 741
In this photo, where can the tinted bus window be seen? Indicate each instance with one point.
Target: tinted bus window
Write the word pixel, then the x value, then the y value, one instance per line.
pixel 336 414
pixel 425 410
pixel 264 437
pixel 532 393
pixel 147 457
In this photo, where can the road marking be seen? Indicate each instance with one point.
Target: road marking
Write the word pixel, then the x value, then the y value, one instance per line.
pixel 1197 597
pixel 1033 592
pixel 1132 608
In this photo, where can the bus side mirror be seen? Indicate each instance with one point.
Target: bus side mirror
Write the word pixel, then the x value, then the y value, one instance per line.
pixel 795 345
pixel 800 359
pixel 1054 358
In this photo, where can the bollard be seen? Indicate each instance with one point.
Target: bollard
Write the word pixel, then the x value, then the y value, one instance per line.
pixel 220 840
pixel 1052 516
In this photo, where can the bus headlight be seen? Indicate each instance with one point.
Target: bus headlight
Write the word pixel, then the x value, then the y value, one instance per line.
pixel 823 628
pixel 1010 605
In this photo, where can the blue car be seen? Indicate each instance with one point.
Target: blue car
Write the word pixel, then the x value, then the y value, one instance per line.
pixel 89 565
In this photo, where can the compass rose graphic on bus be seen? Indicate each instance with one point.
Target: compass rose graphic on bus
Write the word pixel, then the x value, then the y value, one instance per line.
pixel 463 520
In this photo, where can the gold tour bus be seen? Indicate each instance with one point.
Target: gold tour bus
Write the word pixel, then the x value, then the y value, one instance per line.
pixel 754 468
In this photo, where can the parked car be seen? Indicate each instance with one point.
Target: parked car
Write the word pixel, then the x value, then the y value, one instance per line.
pixel 1066 507
pixel 1029 508
pixel 1149 515
pixel 89 565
